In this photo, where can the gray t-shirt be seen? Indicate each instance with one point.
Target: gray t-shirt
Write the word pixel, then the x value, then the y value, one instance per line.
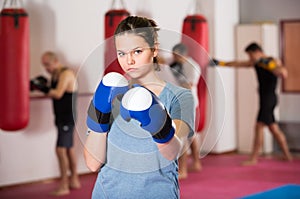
pixel 135 168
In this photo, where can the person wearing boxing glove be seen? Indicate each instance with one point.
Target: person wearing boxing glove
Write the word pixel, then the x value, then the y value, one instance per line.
pixel 155 118
pixel 187 72
pixel 39 83
pixel 98 120
pixel 267 70
pixel 141 104
pixel 63 91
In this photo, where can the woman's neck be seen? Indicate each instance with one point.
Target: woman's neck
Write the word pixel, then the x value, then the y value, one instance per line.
pixel 151 82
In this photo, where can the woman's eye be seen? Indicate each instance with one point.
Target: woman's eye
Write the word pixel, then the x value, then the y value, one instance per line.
pixel 138 52
pixel 120 54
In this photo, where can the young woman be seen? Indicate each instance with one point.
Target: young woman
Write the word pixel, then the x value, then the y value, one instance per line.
pixel 136 155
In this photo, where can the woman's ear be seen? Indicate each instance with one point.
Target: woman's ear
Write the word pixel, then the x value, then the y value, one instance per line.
pixel 155 50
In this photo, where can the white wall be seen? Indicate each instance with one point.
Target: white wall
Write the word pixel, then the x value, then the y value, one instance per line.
pixel 220 132
pixel 72 29
pixel 275 10
pixel 28 155
pixel 224 49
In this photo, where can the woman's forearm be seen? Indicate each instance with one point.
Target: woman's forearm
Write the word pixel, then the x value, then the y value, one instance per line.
pixel 95 150
pixel 172 149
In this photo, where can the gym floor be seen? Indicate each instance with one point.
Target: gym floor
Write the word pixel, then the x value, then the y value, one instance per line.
pixel 222 177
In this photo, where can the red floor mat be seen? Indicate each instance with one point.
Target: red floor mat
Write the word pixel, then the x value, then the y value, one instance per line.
pixel 222 177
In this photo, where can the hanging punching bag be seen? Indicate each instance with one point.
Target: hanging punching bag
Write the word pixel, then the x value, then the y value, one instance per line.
pixel 195 37
pixel 14 68
pixel 112 19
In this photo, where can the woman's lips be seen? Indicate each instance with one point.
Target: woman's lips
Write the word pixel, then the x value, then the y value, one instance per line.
pixel 131 69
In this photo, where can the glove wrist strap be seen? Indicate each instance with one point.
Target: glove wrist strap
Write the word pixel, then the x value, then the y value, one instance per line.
pixel 166 133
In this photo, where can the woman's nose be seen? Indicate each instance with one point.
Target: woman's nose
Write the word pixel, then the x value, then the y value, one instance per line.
pixel 130 59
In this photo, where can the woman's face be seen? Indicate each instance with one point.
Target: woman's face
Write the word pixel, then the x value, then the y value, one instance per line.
pixel 135 55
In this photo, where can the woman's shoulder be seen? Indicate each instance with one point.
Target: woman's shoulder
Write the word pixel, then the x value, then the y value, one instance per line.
pixel 176 87
pixel 176 91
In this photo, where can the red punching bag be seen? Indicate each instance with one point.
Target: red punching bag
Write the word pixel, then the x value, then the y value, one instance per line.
pixel 112 19
pixel 14 68
pixel 195 37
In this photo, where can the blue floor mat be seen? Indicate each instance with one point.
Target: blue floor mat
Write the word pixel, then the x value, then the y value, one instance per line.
pixel 289 191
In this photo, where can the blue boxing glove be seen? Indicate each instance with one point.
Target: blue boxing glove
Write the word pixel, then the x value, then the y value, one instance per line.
pixel 99 111
pixel 142 105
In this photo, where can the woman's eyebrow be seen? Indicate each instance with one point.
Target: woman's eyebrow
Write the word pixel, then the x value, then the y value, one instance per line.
pixel 129 50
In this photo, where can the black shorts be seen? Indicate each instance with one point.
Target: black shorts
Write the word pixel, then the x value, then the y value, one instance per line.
pixel 266 109
pixel 65 135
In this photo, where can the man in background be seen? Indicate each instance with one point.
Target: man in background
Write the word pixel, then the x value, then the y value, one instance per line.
pixel 267 71
pixel 63 91
pixel 187 72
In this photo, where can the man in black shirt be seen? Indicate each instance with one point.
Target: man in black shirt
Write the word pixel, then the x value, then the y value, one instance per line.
pixel 267 70
pixel 63 91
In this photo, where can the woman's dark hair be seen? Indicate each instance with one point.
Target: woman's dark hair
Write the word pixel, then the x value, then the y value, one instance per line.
pixel 141 26
pixel 253 47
